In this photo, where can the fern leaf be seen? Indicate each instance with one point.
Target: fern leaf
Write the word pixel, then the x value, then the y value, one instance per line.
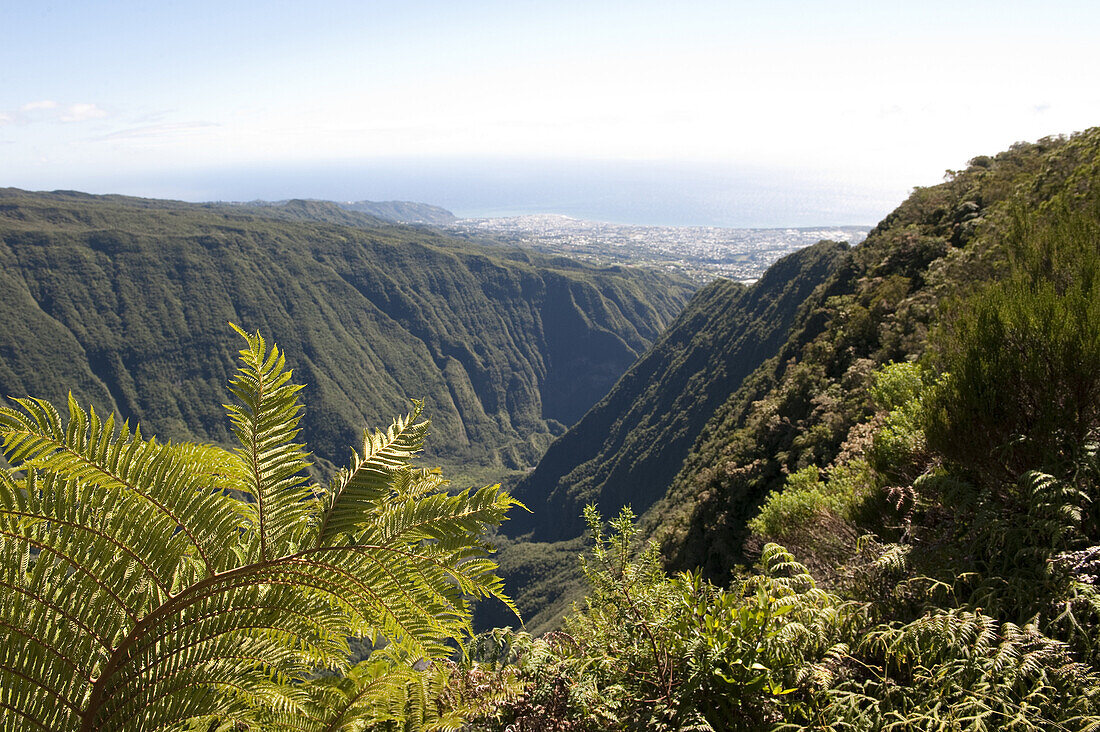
pixel 265 423
pixel 358 490
pixel 137 591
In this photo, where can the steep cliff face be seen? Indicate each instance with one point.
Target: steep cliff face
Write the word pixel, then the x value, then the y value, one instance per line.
pixel 627 449
pixel 126 301
pixel 878 306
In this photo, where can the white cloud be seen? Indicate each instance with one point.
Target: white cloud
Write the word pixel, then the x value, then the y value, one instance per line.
pixel 156 131
pixel 47 110
pixel 41 104
pixel 81 113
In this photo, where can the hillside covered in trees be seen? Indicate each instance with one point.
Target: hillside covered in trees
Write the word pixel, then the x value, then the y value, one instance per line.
pixel 897 298
pixel 125 302
pixel 627 448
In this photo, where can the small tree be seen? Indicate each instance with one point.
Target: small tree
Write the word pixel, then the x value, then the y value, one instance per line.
pixel 147 586
pixel 1022 357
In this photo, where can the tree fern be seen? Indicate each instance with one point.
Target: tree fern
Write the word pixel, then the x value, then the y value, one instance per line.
pixel 146 585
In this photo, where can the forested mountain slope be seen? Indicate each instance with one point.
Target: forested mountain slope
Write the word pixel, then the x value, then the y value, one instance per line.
pixel 359 213
pixel 404 212
pixel 798 401
pixel 799 408
pixel 127 301
pixel 627 449
pixel 891 524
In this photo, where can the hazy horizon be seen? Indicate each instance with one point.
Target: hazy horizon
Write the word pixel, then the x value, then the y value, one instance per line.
pixel 706 112
pixel 631 192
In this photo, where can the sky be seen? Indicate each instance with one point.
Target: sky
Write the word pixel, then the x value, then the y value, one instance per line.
pixel 698 111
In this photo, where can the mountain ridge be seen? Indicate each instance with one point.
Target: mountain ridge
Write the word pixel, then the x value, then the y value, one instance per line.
pixel 805 406
pixel 372 314
pixel 351 212
pixel 627 447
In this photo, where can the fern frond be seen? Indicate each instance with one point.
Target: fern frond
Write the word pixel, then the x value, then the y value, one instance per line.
pixel 137 591
pixel 417 557
pixel 357 491
pixel 962 670
pixel 265 423
pixel 371 693
pixel 179 488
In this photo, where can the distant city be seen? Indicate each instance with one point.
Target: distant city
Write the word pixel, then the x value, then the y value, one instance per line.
pixel 700 252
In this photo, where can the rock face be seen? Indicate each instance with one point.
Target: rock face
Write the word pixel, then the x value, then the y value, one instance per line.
pixel 126 302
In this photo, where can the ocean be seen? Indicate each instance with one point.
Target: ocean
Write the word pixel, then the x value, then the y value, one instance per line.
pixel 626 192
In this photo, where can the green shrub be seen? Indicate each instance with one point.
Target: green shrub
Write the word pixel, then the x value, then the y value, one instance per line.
pixel 961 670
pixel 899 450
pixel 897 384
pixel 1022 356
pixel 653 652
pixel 805 496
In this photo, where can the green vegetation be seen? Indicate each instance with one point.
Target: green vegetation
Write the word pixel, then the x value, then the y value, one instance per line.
pixel 945 504
pixel 124 301
pixel 627 448
pixel 401 212
pixel 773 652
pixel 812 404
pixel 149 585
pixel 361 214
pixel 889 518
pixel 1034 335
pixel 652 652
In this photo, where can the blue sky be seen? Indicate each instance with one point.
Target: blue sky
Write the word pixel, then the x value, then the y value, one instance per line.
pixel 868 98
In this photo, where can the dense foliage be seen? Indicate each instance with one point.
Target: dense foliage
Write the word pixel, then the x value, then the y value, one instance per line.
pixel 892 523
pixel 627 448
pixel 809 402
pixel 148 585
pixel 800 408
pixel 956 532
pixel 1034 335
pixel 772 651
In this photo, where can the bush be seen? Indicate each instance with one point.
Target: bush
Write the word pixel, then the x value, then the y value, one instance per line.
pixel 653 652
pixel 899 450
pixel 806 497
pixel 1022 357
